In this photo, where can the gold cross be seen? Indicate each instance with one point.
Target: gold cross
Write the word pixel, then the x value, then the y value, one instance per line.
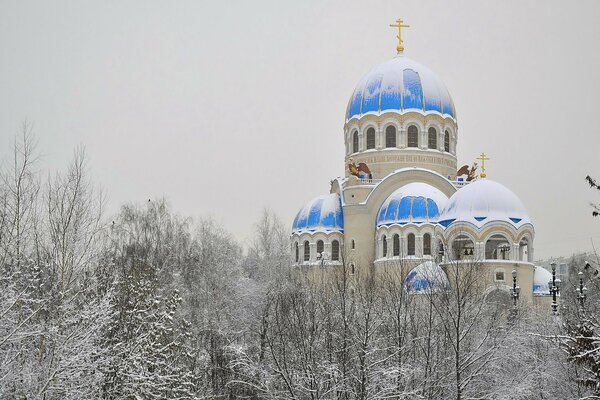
pixel 399 25
pixel 483 159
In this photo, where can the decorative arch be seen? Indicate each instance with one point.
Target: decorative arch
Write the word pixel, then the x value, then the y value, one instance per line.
pixel 403 177
pixel 497 247
pixel 463 247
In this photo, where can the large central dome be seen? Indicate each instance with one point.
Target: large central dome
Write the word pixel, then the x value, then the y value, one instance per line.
pixel 400 84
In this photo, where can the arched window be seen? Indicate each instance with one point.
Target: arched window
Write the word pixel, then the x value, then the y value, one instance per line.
pixel 390 136
pixel 432 138
pixel 355 142
pixel 396 245
pixel 413 136
pixel 370 138
pixel 352 268
pixel 320 247
pixel 335 250
pixel 410 241
pixel 462 247
pixel 427 244
pixel 306 251
pixel 384 246
pixel 297 252
pixel 447 142
pixel 353 246
pixel 497 247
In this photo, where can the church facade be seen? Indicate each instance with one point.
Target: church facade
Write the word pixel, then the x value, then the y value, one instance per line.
pixel 402 202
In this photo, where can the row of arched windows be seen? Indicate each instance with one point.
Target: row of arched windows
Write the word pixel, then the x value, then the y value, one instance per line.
pixel 410 245
pixel 335 250
pixel 412 138
pixel 496 247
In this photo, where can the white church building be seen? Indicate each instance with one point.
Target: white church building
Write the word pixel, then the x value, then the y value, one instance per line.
pixel 401 201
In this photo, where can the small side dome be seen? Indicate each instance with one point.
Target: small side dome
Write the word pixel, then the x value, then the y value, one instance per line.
pixel 427 277
pixel 484 201
pixel 323 213
pixel 416 202
pixel 541 277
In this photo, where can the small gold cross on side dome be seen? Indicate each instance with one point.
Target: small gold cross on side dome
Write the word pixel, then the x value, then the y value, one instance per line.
pixel 399 25
pixel 483 159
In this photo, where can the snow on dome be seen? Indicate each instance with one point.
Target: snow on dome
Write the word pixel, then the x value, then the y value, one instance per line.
pixel 416 202
pixel 541 277
pixel 427 277
pixel 484 201
pixel 323 213
pixel 400 84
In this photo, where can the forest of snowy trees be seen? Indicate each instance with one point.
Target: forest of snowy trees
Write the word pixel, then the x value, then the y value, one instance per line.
pixel 148 304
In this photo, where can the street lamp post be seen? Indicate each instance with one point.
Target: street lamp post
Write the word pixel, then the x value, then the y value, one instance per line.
pixel 516 290
pixel 554 286
pixel 581 291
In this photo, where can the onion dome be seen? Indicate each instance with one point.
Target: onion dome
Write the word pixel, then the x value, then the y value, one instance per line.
pixel 541 277
pixel 323 214
pixel 400 84
pixel 413 203
pixel 427 277
pixel 484 201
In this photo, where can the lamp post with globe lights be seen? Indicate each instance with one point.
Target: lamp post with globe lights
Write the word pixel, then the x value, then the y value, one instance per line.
pixel 581 291
pixel 554 286
pixel 516 290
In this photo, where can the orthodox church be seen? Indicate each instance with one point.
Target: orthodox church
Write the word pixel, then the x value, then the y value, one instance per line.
pixel 402 200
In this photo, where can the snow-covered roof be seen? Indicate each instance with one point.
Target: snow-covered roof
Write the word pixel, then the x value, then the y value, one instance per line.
pixel 426 278
pixel 416 202
pixel 484 201
pixel 541 277
pixel 400 84
pixel 323 213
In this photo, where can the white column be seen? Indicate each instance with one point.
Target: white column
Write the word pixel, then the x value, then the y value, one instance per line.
pixel 401 138
pixel 424 139
pixel 390 246
pixel 419 246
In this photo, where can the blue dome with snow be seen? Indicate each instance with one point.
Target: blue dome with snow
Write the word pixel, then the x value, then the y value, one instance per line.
pixel 323 213
pixel 400 84
pixel 413 203
pixel 484 201
pixel 427 277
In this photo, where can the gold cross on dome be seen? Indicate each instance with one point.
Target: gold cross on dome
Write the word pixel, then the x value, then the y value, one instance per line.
pixel 399 25
pixel 483 159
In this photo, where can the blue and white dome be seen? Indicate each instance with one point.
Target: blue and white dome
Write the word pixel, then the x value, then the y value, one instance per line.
pixel 323 214
pixel 400 84
pixel 484 201
pixel 541 277
pixel 413 203
pixel 427 277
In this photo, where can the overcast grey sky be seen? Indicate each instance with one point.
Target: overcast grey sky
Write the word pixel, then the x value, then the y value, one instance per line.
pixel 229 107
